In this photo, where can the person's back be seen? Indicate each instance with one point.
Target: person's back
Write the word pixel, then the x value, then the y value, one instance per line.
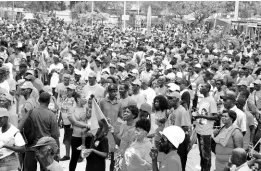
pixel 45 123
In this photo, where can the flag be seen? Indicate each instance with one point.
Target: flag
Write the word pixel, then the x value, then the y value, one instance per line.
pixel 96 116
pixel 148 21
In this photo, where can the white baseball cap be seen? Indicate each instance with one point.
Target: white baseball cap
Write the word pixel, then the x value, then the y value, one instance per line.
pixel 174 134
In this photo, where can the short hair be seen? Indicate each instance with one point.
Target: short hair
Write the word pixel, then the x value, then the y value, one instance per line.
pixel 231 114
pixel 245 93
pixel 126 86
pixel 134 110
pixel 143 124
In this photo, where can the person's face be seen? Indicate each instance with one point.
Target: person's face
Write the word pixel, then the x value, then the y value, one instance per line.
pixel 112 70
pixel 164 145
pixel 3 121
pixel 82 101
pixel 77 77
pixel 69 92
pixel 228 103
pixel 92 80
pixel 218 85
pixel 257 87
pixel 122 90
pixel 66 81
pixel 55 60
pixel 113 93
pixel 135 88
pixel 203 89
pixel 140 134
pixel 172 101
pixel 161 82
pixel 42 152
pixel 24 92
pixel 226 119
pixel 4 103
pixel 156 104
pixel 143 114
pixel 127 115
pixel 83 63
pixel 22 69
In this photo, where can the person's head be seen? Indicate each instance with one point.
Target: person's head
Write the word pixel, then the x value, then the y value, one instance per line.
pixel 182 83
pixel 136 86
pixel 2 74
pixel 112 69
pixel 77 75
pixel 229 100
pixel 4 117
pixel 92 78
pixel 26 88
pixel 79 99
pixel 161 81
pixel 145 111
pixel 205 89
pixel 131 112
pixel 112 91
pixel 219 84
pixel 244 94
pixel 55 59
pixel 160 103
pixel 257 85
pixel 142 129
pixel 238 157
pixel 71 90
pixel 66 79
pixel 123 89
pixel 228 117
pixel 240 103
pixel 84 62
pixel 6 100
pixel 46 148
pixel 173 99
pixel 171 138
pixel 44 98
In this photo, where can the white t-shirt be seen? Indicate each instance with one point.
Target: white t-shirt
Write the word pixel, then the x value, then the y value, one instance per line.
pixel 5 85
pixel 55 166
pixel 13 137
pixel 149 94
pixel 97 90
pixel 55 77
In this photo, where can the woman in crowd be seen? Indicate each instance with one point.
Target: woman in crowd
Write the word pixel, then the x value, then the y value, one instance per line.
pixel 66 104
pixel 136 157
pixel 77 117
pixel 160 106
pixel 227 138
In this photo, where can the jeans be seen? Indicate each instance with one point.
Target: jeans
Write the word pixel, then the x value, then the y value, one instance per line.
pixel 204 143
pixel 183 151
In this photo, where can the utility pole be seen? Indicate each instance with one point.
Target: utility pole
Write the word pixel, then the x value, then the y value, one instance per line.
pixel 92 12
pixel 124 19
pixel 13 10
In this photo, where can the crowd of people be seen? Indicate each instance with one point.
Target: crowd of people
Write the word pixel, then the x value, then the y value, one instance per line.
pixel 160 94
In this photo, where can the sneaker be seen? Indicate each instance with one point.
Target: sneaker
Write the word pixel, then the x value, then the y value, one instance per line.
pixel 82 147
pixel 65 158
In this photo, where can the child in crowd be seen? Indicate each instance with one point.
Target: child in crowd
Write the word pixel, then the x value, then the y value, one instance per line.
pixel 96 155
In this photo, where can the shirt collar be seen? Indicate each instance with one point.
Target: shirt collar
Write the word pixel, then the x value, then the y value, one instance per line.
pixel 115 101
pixel 242 167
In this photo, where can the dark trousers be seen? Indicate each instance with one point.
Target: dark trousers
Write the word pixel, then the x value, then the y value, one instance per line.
pixel 30 162
pixel 75 143
pixel 204 143
pixel 183 152
pixel 112 162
